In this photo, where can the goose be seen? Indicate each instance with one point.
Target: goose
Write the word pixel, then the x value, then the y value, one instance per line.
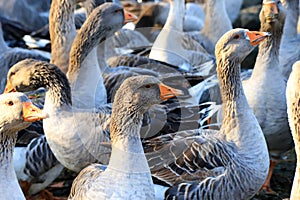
pixel 292 98
pixel 17 112
pixel 155 14
pixel 218 164
pixel 62 30
pixel 172 46
pixel 264 97
pixel 30 167
pixel 216 23
pixel 84 74
pixel 289 52
pixel 35 165
pixel 71 123
pixel 131 179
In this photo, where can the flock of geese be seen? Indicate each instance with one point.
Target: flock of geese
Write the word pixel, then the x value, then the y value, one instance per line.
pixel 137 125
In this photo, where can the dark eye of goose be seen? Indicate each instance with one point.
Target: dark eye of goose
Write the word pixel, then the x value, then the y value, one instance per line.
pixel 236 37
pixel 148 86
pixel 10 103
pixel 12 73
pixel 116 11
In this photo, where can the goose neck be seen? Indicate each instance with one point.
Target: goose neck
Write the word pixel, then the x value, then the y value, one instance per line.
pixel 58 89
pixel 270 45
pixel 291 21
pixel 176 15
pixel 125 128
pixel 213 26
pixel 62 31
pixel 85 41
pixel 229 79
pixel 239 123
pixel 7 143
pixel 126 144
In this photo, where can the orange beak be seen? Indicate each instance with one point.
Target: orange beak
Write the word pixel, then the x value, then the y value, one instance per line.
pixel 270 10
pixel 9 88
pixel 129 17
pixel 257 37
pixel 32 113
pixel 167 92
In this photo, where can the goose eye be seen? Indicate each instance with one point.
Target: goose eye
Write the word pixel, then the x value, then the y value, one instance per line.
pixel 116 11
pixel 148 86
pixel 10 103
pixel 236 37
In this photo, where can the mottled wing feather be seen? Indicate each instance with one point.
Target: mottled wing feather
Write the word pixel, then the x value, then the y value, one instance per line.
pixel 175 158
pixel 85 178
pixel 39 158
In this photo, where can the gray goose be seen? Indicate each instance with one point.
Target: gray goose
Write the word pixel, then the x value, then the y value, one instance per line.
pixel 66 127
pixel 62 30
pixel 289 52
pixel 293 98
pixel 216 23
pixel 173 47
pixel 17 112
pixel 265 90
pixel 127 175
pixel 217 164
pixel 84 73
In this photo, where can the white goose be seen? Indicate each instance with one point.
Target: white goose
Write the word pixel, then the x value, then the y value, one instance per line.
pixel 172 46
pixel 17 112
pixel 127 175
pixel 216 23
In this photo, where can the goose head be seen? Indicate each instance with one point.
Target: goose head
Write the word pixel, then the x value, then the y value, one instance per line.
pixel 29 74
pixel 236 44
pixel 115 15
pixel 272 11
pixel 17 112
pixel 20 83
pixel 141 92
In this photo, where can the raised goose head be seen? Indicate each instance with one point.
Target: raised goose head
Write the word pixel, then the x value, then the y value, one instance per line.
pixel 271 12
pixel 238 43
